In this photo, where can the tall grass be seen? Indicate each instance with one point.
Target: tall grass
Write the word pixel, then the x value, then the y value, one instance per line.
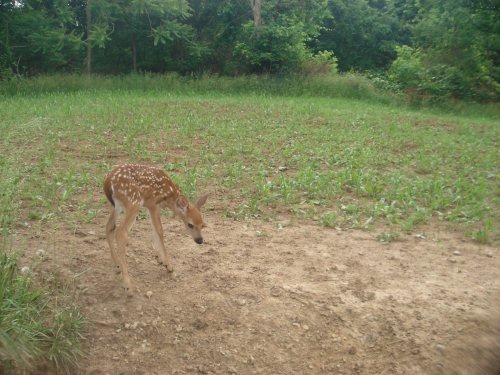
pixel 32 330
pixel 347 86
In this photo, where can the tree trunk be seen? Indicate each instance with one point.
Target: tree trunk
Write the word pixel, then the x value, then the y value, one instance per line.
pixel 256 10
pixel 134 54
pixel 88 67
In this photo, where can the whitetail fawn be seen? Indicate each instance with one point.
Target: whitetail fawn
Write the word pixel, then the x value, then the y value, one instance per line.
pixel 131 186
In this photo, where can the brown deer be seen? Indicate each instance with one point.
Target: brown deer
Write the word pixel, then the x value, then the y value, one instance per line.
pixel 129 187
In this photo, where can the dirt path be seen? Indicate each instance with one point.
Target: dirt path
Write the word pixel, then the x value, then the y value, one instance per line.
pixel 270 298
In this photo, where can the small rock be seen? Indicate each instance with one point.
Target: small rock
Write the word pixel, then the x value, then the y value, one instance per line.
pixel 178 328
pixel 242 302
pixel 199 324
pixel 275 291
pixel 25 270
pixel 415 351
pixel 440 348
pixel 451 260
pixel 457 253
pixel 40 253
pixel 305 327
pixel 489 254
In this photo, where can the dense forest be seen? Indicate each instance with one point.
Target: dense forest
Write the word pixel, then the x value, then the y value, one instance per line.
pixel 438 48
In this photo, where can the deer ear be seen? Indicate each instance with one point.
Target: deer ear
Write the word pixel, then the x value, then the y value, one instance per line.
pixel 201 201
pixel 181 204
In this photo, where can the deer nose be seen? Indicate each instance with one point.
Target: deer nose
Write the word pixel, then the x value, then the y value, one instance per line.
pixel 198 240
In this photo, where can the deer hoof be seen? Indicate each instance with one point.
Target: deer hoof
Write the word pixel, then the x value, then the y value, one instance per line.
pixel 129 290
pixel 166 264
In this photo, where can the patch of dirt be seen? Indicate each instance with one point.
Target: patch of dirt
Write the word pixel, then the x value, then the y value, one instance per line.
pixel 274 298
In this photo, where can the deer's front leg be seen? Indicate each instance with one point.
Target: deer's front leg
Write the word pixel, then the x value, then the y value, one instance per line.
pixel 158 244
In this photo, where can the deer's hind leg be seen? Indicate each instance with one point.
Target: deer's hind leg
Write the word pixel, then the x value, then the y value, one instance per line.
pixel 110 237
pixel 122 232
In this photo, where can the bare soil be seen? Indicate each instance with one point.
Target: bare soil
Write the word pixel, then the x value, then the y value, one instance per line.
pixel 280 298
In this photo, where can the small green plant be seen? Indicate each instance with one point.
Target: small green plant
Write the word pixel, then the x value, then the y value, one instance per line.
pixel 388 236
pixel 482 235
pixel 328 219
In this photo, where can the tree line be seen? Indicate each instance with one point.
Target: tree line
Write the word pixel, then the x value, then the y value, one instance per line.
pixel 438 48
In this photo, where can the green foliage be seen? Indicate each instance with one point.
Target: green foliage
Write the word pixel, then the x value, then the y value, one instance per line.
pixel 100 35
pixel 272 48
pixel 31 330
pixel 279 45
pixel 457 43
pixel 38 37
pixel 361 34
pixel 424 76
pixel 324 62
pixel 435 51
pixel 407 70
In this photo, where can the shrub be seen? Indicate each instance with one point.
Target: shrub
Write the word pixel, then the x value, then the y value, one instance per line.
pixel 324 62
pixel 272 48
pixel 407 70
pixel 432 75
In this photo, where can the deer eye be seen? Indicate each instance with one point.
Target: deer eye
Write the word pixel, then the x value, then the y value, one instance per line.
pixel 190 226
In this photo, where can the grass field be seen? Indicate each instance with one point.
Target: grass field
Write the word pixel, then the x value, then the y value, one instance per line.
pixel 340 162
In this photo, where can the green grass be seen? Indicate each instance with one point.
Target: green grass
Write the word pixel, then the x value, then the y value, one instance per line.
pixel 264 149
pixel 347 85
pixel 33 330
pixel 342 162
